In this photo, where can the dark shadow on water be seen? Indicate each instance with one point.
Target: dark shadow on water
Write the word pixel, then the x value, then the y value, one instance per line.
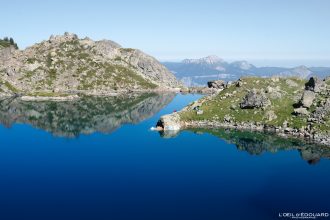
pixel 168 134
pixel 85 115
pixel 257 143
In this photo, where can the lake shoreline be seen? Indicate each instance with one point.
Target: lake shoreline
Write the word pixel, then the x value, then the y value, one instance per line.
pixel 279 131
pixel 286 106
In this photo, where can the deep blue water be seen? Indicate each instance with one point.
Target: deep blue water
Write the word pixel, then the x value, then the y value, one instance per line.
pixel 134 173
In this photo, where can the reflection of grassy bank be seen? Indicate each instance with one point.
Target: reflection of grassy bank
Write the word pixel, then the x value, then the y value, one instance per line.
pixel 48 94
pixel 256 143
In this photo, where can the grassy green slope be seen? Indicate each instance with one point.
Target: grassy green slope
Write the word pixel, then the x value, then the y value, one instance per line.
pixel 227 102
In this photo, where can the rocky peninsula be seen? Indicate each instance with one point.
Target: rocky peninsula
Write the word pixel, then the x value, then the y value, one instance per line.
pixel 65 65
pixel 284 106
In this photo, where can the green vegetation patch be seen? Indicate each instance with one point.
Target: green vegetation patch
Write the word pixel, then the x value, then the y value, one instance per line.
pixel 128 50
pixel 47 94
pixel 114 77
pixel 227 103
pixel 7 42
pixel 10 86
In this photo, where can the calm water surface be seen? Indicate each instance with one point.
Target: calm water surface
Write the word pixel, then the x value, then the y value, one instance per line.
pixel 97 159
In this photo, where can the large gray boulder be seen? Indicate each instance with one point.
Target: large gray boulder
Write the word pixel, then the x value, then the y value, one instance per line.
pixel 170 122
pixel 315 84
pixel 216 84
pixel 307 98
pixel 300 111
pixel 254 99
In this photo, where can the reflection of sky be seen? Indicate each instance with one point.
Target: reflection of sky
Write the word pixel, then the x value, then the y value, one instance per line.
pixel 134 174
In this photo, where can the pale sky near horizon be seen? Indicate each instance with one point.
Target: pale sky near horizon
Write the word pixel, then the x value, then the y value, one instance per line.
pixel 254 30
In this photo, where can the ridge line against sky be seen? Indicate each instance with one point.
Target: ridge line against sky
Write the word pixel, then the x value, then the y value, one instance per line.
pixel 173 30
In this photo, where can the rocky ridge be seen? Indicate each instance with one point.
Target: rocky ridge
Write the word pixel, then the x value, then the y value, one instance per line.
pixel 65 64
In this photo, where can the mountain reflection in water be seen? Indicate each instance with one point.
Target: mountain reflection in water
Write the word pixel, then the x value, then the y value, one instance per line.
pixel 256 143
pixel 85 115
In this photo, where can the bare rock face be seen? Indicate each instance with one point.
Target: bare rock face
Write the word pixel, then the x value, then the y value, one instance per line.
pixel 315 84
pixel 307 98
pixel 150 67
pixel 216 84
pixel 254 99
pixel 106 48
pixel 170 122
pixel 6 53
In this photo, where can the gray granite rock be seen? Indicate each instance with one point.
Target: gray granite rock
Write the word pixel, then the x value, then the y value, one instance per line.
pixel 307 98
pixel 255 99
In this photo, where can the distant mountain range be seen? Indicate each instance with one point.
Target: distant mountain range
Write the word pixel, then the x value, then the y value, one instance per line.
pixel 196 72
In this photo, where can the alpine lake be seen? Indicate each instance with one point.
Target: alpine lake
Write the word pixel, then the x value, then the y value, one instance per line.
pixel 96 158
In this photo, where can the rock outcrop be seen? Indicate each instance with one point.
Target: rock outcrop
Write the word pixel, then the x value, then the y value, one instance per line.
pixel 254 99
pixel 315 84
pixel 216 84
pixel 170 122
pixel 321 112
pixel 307 98
pixel 67 64
pixel 287 107
pixel 301 111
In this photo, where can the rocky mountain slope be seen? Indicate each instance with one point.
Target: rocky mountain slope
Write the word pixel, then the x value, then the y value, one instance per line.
pixel 290 106
pixel 66 64
pixel 196 72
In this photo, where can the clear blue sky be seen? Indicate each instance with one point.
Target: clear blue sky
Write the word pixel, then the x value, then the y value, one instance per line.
pixel 173 30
